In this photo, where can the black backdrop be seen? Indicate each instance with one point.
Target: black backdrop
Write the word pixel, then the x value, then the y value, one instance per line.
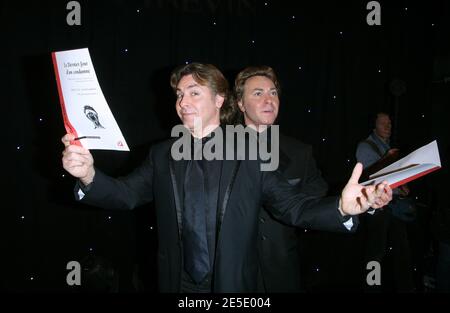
pixel 334 69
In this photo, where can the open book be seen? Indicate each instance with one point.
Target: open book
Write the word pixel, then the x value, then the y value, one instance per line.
pixel 416 164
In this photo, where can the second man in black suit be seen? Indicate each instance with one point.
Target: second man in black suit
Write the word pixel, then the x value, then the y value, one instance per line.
pixel 256 93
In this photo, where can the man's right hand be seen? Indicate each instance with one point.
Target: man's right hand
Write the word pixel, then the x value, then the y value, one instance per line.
pixel 77 160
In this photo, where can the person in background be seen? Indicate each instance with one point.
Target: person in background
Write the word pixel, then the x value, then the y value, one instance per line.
pixel 386 233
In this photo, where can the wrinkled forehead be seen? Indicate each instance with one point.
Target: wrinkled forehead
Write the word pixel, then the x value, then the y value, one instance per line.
pixel 190 81
pixel 259 82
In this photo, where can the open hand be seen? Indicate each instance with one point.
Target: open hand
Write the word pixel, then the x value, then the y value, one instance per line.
pixel 356 199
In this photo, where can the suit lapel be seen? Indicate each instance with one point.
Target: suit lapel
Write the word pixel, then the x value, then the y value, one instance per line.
pixel 227 178
pixel 229 171
pixel 177 174
pixel 285 161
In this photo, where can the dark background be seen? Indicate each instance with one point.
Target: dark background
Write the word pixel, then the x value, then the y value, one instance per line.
pixel 335 71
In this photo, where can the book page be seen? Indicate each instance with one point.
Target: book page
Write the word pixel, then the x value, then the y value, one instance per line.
pixel 85 110
pixel 416 164
pixel 426 154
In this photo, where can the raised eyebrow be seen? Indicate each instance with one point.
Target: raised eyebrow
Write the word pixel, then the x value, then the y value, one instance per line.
pixel 260 89
pixel 189 87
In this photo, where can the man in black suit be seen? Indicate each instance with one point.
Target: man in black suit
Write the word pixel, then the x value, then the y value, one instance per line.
pixel 256 92
pixel 207 210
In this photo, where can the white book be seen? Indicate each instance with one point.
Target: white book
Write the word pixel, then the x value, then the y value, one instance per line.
pixel 416 164
pixel 85 111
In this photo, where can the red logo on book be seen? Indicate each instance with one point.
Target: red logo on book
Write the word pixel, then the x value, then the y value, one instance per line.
pixel 119 143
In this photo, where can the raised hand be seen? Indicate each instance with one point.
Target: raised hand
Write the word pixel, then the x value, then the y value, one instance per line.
pixel 356 199
pixel 77 160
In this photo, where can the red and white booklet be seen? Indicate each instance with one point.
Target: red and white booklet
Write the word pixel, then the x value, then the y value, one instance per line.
pixel 416 164
pixel 85 111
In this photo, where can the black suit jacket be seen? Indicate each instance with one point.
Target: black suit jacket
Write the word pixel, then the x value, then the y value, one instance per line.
pixel 278 243
pixel 243 190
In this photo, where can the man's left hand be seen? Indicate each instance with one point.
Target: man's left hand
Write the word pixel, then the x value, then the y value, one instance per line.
pixel 357 199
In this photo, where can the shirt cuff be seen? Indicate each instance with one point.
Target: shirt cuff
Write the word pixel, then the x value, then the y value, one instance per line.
pixel 346 220
pixel 349 223
pixel 81 189
pixel 80 194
